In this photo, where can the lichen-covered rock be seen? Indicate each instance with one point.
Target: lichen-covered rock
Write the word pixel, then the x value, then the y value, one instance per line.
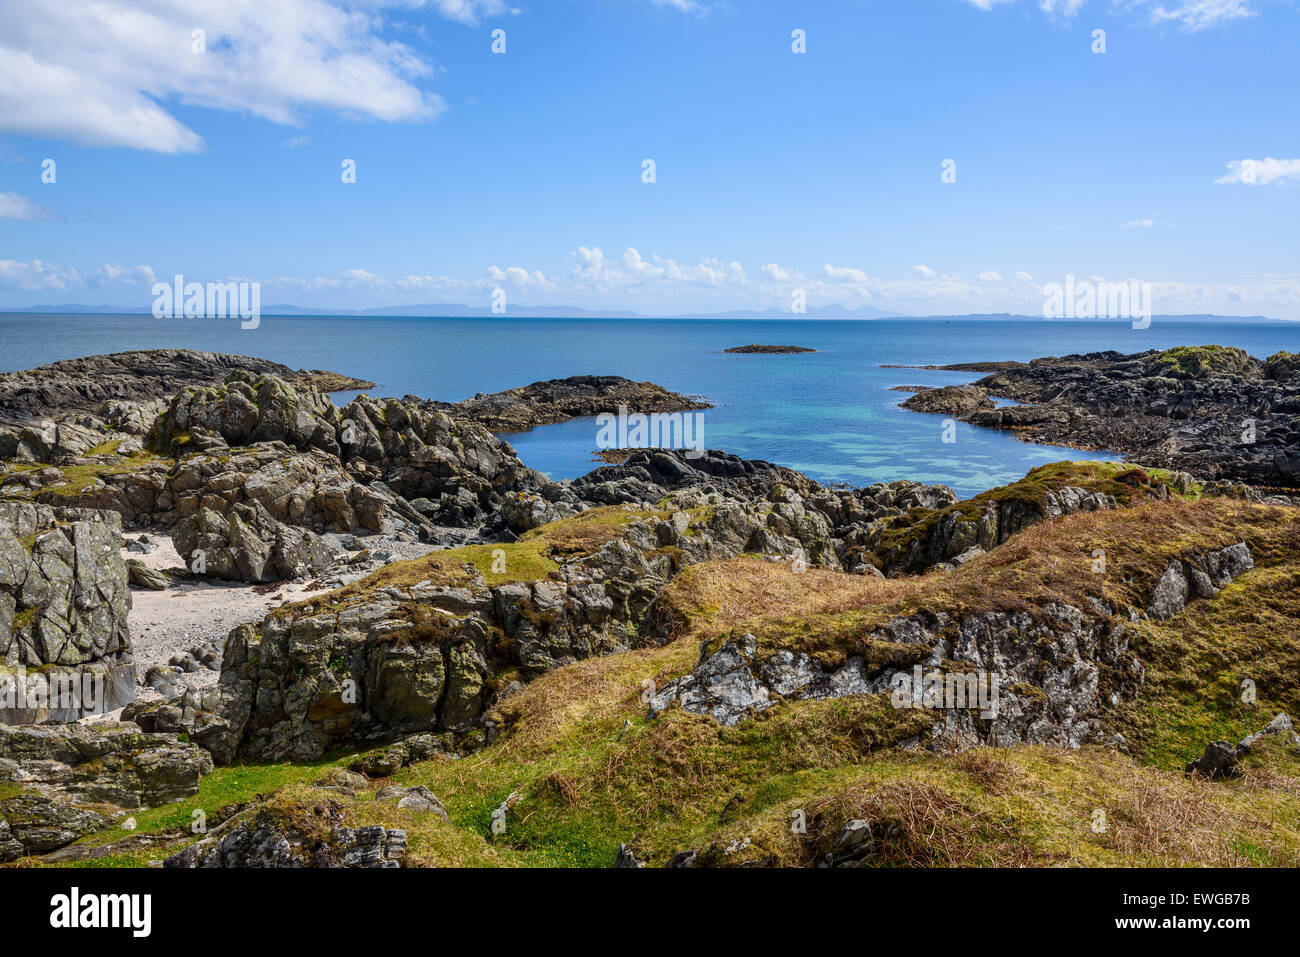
pixel 1200 576
pixel 416 451
pixel 1170 596
pixel 37 824
pixel 107 763
pixel 1053 675
pixel 141 575
pixel 65 646
pixel 418 798
pixel 247 544
pixel 263 839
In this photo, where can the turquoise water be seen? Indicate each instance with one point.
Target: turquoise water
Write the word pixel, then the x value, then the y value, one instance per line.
pixel 830 414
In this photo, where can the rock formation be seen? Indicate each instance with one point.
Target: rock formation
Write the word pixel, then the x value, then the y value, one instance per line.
pixel 1213 411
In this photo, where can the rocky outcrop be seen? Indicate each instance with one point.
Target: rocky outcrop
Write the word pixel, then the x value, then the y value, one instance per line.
pixel 73 776
pixel 956 400
pixel 1045 676
pixel 34 824
pixel 646 475
pixel 1199 576
pixel 125 380
pixel 402 660
pixel 952 533
pixel 407 659
pixel 1213 411
pixel 456 470
pixel 65 647
pixel 111 763
pixel 294 837
pixel 756 348
pixel 559 400
pixel 1053 674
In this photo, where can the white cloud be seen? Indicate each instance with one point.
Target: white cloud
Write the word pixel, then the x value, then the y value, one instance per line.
pixel 1191 15
pixel 592 270
pixel 685 6
pixel 644 283
pixel 111 274
pixel 36 275
pixel 107 73
pixel 1139 224
pixel 1066 8
pixel 13 206
pixel 1194 15
pixel 520 278
pixel 468 12
pixel 1263 172
pixel 845 272
pixel 925 271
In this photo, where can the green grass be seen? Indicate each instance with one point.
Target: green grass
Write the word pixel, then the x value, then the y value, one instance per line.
pixel 1195 361
pixel 224 786
pixel 75 479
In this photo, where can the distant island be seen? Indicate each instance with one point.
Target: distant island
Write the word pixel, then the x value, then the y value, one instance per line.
pixel 755 347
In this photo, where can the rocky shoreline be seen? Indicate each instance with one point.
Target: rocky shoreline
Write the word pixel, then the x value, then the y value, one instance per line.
pixel 86 384
pixel 1213 411
pixel 387 580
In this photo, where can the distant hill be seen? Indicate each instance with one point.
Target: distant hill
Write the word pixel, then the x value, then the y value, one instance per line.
pixel 458 310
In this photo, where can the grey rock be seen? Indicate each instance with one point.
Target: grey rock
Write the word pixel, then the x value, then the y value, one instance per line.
pixel 141 576
pixel 39 824
pixel 1171 592
pixel 418 798
pixel 1219 760
pixel 107 763
pixel 626 857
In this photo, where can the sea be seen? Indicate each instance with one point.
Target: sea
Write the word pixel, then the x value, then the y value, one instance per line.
pixel 832 414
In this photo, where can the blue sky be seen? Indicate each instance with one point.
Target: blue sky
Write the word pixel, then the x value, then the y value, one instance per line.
pixel 774 171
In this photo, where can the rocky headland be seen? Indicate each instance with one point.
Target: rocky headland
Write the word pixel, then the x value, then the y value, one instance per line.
pixel 1214 411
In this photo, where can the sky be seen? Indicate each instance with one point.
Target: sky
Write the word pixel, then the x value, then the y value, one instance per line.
pixel 919 156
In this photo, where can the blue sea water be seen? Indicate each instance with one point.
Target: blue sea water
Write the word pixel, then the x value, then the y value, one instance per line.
pixel 830 414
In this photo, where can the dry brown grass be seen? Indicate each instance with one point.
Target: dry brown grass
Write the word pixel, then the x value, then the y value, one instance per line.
pixel 991 770
pixel 1162 818
pixel 1054 560
pixel 715 598
pixel 1046 563
pixel 916 824
pixel 536 718
pixel 562 787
